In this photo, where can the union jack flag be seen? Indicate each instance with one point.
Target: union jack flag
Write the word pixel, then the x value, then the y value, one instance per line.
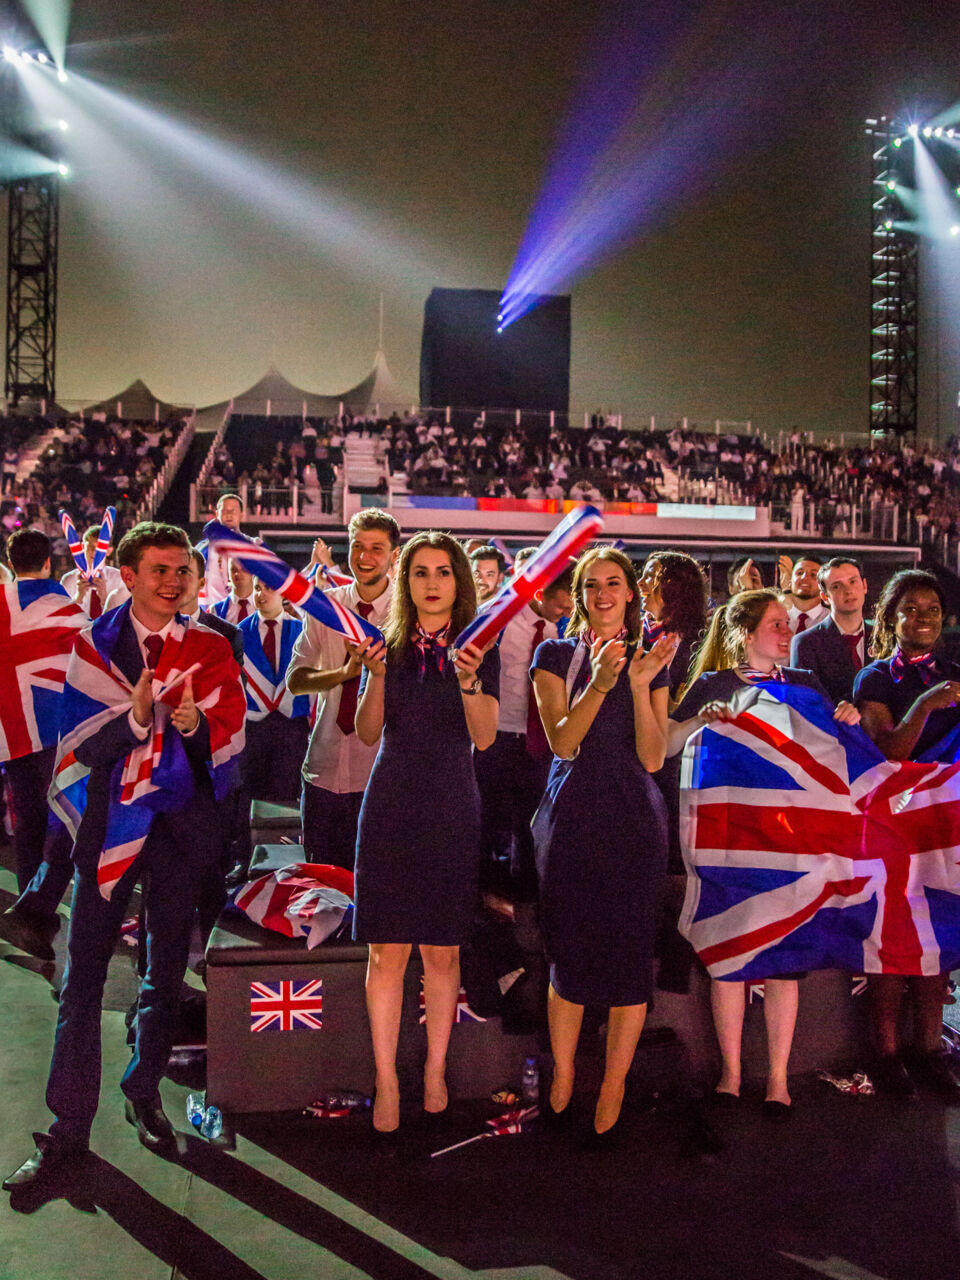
pixel 463 1012
pixel 331 578
pixel 39 625
pixel 806 849
pixel 286 1006
pixel 155 775
pixel 77 549
pixel 277 574
pixel 301 900
pixel 267 689
pixel 575 530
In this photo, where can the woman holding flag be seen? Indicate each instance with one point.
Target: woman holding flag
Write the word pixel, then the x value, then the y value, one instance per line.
pixel 601 831
pixel 418 846
pixel 909 699
pixel 754 637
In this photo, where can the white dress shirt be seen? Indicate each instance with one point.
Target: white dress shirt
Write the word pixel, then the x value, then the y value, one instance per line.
pixel 142 632
pixel 814 615
pixel 112 579
pixel 516 650
pixel 335 761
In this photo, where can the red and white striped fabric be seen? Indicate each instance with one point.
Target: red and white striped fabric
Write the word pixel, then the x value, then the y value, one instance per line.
pixel 302 900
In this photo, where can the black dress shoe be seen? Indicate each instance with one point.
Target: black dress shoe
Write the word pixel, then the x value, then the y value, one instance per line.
pixel 558 1121
pixel 609 1140
pixel 890 1077
pixel 29 933
pixel 778 1111
pixel 936 1073
pixel 50 1158
pixel 153 1128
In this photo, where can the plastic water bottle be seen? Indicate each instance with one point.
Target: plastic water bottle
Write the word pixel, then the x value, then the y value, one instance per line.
pixel 195 1109
pixel 530 1081
pixel 344 1099
pixel 212 1126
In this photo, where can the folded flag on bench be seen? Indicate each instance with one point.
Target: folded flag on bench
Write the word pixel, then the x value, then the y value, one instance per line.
pixel 303 900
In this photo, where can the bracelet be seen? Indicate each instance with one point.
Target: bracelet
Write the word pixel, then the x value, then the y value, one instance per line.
pixel 603 692
pixel 473 689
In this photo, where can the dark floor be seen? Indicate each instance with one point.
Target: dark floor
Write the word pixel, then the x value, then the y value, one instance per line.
pixel 852 1188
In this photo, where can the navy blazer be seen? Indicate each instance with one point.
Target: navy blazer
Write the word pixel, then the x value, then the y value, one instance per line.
pixel 227 629
pixel 823 650
pixel 195 821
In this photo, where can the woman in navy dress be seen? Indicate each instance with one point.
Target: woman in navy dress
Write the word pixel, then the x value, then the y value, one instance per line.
pixel 909 701
pixel 751 635
pixel 418 841
pixel 600 833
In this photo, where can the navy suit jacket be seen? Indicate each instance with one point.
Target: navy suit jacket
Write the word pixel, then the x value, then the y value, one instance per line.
pixel 194 822
pixel 227 629
pixel 823 650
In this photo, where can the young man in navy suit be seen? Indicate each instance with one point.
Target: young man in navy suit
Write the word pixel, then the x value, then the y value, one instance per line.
pixel 835 648
pixel 182 842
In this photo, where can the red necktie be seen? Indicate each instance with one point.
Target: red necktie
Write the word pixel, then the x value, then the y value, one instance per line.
pixel 243 608
pixel 270 643
pixel 536 738
pixel 96 604
pixel 801 623
pixel 154 647
pixel 853 644
pixel 346 713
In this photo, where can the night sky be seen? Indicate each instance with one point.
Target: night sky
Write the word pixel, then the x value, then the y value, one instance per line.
pixel 431 126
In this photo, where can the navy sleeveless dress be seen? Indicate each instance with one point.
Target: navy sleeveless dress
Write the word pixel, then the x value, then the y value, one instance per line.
pixel 600 837
pixel 418 840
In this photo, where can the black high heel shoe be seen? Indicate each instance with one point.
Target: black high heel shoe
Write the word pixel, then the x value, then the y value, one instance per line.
pixel 558 1121
pixel 609 1140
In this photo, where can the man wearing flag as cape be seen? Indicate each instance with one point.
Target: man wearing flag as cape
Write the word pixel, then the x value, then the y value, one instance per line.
pixel 152 723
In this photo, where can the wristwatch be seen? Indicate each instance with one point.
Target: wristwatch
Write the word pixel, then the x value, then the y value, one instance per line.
pixel 476 687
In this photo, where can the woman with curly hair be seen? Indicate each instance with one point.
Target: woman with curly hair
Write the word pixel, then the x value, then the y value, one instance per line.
pixel 418 842
pixel 909 700
pixel 600 831
pixel 673 591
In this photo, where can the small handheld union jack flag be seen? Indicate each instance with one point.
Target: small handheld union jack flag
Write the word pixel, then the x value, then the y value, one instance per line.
pixel 77 549
pixel 575 530
pixel 514 1121
pixel 277 574
pixel 328 577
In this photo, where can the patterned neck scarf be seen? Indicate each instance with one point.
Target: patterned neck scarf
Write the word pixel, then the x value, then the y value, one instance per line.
pixel 652 630
pixel 434 642
pixel 754 676
pixel 590 636
pixel 925 665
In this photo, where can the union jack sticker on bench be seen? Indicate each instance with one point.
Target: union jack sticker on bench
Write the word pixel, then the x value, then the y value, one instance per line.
pixel 286 1006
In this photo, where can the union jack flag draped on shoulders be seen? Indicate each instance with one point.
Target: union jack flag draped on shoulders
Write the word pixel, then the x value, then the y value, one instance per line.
pixel 155 776
pixel 806 849
pixel 302 900
pixel 39 625
pixel 267 689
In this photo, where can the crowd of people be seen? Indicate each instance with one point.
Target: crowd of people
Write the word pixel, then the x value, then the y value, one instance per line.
pixel 85 466
pixel 545 768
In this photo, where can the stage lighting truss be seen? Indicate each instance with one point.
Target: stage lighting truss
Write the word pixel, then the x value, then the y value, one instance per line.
pixel 893 287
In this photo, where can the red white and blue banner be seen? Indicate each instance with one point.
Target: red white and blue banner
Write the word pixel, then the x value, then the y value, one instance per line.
pixel 277 574
pixel 549 560
pixel 266 688
pixel 39 625
pixel 87 568
pixel 155 776
pixel 289 1005
pixel 303 900
pixel 806 849
pixel 463 1012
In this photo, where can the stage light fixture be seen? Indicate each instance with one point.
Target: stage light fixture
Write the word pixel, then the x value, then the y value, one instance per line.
pixel 891 184
pixel 938 131
pixel 928 131
pixel 42 58
pixel 898 142
pixel 63 170
pixel 62 126
pixel 62 76
pixel 955 230
pixel 913 130
pixel 25 57
pixel 9 53
pixel 888 225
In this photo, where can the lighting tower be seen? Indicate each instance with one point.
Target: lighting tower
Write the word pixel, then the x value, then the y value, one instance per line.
pixel 894 283
pixel 33 229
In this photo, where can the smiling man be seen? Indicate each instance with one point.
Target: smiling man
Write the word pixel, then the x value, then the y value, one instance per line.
pixel 148 820
pixel 835 648
pixel 338 764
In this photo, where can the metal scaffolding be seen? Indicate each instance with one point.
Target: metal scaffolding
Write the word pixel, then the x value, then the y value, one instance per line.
pixel 33 223
pixel 894 290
